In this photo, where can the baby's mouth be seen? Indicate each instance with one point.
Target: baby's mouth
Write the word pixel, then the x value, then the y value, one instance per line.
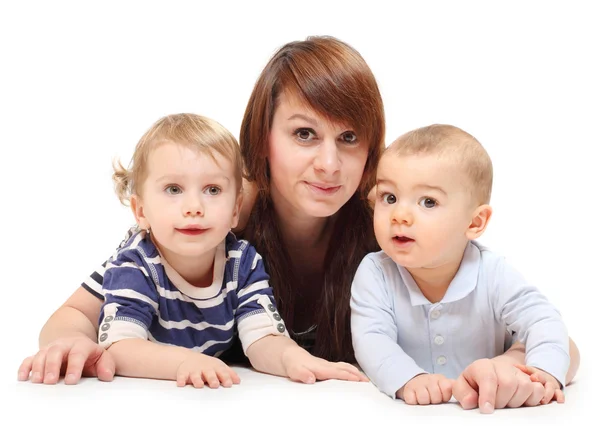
pixel 403 239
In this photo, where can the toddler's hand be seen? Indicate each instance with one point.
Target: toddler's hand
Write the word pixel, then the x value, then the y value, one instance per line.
pixel 301 366
pixel 552 390
pixel 74 355
pixel 496 384
pixel 199 369
pixel 426 389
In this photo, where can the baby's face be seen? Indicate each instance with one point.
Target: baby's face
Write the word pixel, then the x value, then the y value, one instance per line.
pixel 423 210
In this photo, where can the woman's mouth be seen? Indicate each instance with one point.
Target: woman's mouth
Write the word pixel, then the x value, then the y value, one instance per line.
pixel 323 189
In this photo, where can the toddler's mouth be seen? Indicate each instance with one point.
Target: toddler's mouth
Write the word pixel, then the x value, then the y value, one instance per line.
pixel 403 239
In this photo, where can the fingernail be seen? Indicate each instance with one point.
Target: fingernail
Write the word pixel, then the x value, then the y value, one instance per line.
pixel 36 376
pixel 49 376
pixel 487 408
pixel 70 378
pixel 310 380
pixel 22 376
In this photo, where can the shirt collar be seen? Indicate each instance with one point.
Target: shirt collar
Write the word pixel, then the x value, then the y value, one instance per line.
pixel 463 283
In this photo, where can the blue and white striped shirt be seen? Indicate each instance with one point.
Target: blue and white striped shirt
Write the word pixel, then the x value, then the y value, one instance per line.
pixel 397 333
pixel 146 298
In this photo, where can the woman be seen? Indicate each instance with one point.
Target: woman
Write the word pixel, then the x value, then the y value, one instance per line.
pixel 311 136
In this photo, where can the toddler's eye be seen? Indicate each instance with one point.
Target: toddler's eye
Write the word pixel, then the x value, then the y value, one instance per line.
pixel 428 203
pixel 173 190
pixel 389 198
pixel 212 190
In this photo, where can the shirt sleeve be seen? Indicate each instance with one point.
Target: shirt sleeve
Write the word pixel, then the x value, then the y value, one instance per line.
pixel 375 332
pixel 256 315
pixel 131 299
pixel 536 322
pixel 93 283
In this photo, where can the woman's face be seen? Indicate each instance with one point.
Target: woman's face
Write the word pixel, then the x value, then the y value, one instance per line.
pixel 315 166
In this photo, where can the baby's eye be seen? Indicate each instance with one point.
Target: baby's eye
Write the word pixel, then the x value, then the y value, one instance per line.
pixel 304 134
pixel 349 137
pixel 388 198
pixel 213 190
pixel 173 190
pixel 428 202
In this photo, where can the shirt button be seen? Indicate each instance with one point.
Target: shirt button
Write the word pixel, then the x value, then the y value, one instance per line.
pixel 441 360
pixel 439 340
pixel 435 314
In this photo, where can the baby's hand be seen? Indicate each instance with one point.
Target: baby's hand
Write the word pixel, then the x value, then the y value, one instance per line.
pixel 426 389
pixel 552 390
pixel 199 369
pixel 301 366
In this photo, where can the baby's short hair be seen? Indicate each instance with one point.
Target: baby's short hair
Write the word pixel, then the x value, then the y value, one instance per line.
pixel 451 142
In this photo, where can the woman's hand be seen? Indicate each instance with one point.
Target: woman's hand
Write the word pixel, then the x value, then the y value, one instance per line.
pixel 74 356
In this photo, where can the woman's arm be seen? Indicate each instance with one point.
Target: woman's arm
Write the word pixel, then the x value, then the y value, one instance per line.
pixel 77 316
pixel 68 344
pixel 516 354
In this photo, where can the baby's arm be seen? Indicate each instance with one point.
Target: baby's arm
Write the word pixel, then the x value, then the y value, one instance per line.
pixel 375 333
pixel 538 323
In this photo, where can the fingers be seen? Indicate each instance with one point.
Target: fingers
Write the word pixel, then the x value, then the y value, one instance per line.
pixel 523 392
pixel 25 369
pixel 105 367
pixel 353 370
pixel 536 396
pixel 196 379
pixel 559 396
pixel 234 377
pixel 410 396
pixel 75 362
pixel 464 393
pixel 446 386
pixel 54 360
pixel 302 374
pixel 38 367
pixel 508 385
pixel 211 379
pixel 224 377
pixel 434 392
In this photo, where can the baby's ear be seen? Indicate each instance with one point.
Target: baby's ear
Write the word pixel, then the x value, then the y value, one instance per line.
pixel 137 207
pixel 479 221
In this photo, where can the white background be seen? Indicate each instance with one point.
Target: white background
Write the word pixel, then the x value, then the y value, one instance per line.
pixel 80 82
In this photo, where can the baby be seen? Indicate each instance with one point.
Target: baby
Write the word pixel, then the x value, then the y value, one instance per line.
pixel 181 286
pixel 433 300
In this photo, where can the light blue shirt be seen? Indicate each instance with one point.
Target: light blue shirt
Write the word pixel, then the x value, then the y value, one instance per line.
pixel 397 333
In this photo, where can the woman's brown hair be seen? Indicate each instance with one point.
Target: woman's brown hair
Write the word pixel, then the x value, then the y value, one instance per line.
pixel 334 80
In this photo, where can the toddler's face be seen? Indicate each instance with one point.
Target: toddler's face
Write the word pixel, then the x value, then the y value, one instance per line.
pixel 423 210
pixel 189 200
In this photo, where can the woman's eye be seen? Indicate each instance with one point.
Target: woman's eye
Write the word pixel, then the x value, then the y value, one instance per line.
pixel 428 203
pixel 389 198
pixel 349 137
pixel 173 190
pixel 304 134
pixel 213 190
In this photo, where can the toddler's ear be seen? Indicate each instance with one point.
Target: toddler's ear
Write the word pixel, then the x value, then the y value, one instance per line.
pixel 479 221
pixel 137 207
pixel 237 209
